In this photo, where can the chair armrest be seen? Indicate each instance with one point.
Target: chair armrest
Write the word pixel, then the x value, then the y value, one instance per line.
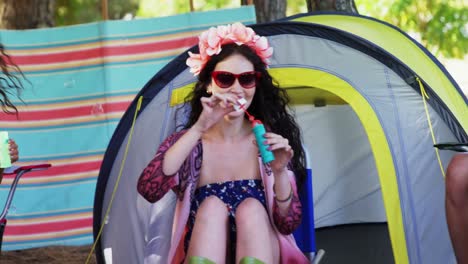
pixel 460 147
pixel 34 167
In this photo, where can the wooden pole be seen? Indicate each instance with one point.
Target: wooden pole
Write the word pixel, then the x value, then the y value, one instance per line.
pixel 191 6
pixel 104 11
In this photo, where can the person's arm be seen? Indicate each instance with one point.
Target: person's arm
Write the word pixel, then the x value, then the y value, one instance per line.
pixel 287 208
pixel 153 183
pixel 161 174
pixel 283 191
pixel 214 109
pixel 14 155
pixel 178 153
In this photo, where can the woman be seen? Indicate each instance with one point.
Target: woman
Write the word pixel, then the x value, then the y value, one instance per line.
pixel 8 81
pixel 233 207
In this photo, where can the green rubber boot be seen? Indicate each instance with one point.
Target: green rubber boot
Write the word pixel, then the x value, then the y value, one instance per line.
pixel 199 260
pixel 250 260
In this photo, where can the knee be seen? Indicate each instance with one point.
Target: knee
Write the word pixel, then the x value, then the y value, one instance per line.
pixel 457 179
pixel 212 210
pixel 250 213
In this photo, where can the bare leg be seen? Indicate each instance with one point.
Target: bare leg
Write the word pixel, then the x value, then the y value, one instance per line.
pixel 209 235
pixel 456 204
pixel 255 235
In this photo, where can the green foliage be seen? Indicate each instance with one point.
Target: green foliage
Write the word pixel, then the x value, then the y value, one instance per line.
pixel 295 7
pixel 440 25
pixel 70 12
pixel 215 4
pixel 151 8
pixel 119 8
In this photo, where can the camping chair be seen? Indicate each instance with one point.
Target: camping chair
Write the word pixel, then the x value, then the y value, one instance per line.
pixel 459 147
pixel 19 171
pixel 305 233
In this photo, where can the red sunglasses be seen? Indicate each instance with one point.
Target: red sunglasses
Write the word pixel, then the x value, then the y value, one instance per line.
pixel 226 79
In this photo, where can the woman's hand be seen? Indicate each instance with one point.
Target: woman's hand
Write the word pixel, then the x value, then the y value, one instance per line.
pixel 215 108
pixel 282 151
pixel 14 153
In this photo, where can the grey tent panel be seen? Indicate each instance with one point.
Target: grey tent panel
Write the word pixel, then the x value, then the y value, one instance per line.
pixel 401 113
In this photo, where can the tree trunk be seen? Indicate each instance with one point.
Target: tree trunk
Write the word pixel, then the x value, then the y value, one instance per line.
pixel 269 10
pixel 26 14
pixel 347 6
pixel 246 2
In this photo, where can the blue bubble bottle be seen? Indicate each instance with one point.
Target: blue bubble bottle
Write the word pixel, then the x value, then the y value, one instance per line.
pixel 259 130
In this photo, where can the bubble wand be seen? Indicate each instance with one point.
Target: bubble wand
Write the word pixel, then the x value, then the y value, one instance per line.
pixel 259 130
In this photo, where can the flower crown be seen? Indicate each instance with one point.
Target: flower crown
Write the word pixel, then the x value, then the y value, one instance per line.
pixel 211 41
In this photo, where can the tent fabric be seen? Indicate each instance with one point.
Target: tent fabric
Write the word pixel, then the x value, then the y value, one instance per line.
pixel 368 139
pixel 412 54
pixel 80 81
pixel 356 243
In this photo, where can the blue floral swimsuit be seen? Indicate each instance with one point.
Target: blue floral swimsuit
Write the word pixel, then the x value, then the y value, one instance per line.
pixel 232 193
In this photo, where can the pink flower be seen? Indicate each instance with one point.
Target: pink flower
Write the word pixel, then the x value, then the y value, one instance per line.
pixel 224 31
pixel 195 63
pixel 263 49
pixel 210 43
pixel 241 34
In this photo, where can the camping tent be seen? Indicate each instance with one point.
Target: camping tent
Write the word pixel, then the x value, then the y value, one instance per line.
pixel 371 103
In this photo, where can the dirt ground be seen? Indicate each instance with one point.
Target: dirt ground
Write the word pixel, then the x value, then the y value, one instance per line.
pixel 50 255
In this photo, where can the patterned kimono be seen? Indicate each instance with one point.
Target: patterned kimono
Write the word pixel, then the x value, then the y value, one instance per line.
pixel 153 184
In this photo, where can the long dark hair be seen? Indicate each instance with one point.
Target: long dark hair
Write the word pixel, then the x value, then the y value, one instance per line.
pixel 270 103
pixel 9 82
